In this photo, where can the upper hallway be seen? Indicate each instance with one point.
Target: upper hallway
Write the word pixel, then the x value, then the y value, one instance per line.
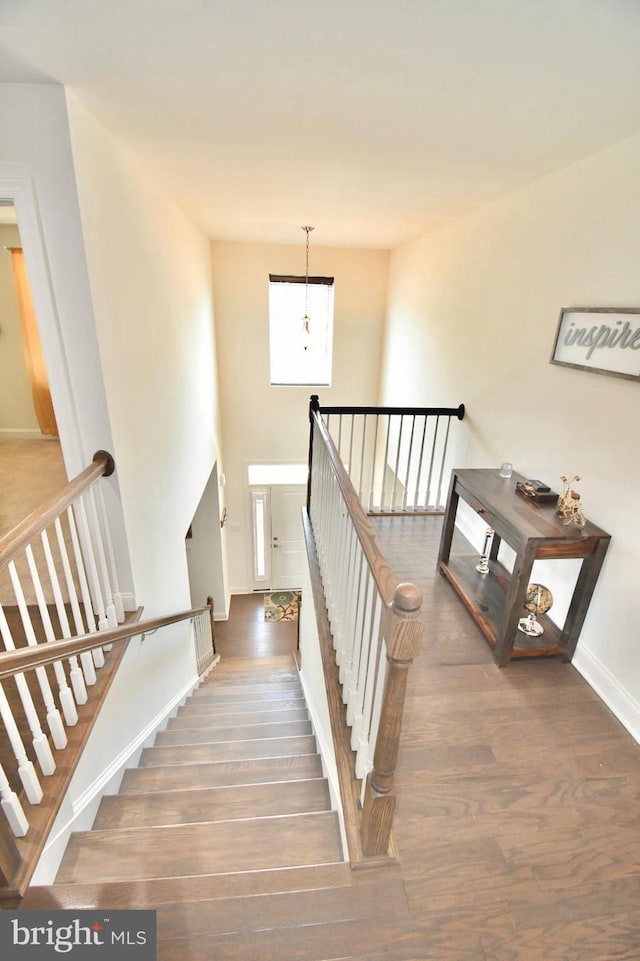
pixel 139 308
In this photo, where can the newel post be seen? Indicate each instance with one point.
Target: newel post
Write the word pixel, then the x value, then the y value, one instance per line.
pixel 379 805
pixel 314 407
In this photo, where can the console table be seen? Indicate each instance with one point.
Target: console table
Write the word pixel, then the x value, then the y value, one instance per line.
pixel 496 600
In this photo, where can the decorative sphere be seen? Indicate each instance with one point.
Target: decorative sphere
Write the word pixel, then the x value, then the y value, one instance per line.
pixel 538 599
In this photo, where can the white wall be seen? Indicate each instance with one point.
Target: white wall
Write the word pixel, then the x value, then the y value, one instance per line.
pixel 35 154
pixel 16 402
pixel 269 424
pixel 473 310
pixel 130 338
pixel 204 551
pixel 150 276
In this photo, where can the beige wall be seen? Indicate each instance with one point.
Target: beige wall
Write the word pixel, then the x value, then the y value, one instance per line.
pixel 473 310
pixel 16 403
pixel 261 423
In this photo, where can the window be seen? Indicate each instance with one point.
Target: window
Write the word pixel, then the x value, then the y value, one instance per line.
pixel 300 356
pixel 259 512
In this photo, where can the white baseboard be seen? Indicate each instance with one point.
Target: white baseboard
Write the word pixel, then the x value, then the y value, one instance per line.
pixel 79 814
pixel 244 589
pixel 619 701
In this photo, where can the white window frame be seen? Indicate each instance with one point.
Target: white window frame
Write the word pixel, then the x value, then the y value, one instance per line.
pixel 260 514
pixel 300 357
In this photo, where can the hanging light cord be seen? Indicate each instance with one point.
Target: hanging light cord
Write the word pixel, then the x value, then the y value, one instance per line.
pixel 305 319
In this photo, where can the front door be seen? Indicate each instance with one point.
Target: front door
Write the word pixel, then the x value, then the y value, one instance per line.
pixel 287 543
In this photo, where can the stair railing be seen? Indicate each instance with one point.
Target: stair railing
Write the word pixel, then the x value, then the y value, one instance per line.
pixel 399 459
pixel 375 636
pixel 57 578
pixel 25 826
pixel 60 613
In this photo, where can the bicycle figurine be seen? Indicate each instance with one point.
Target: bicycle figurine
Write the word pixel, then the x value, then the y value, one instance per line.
pixel 569 505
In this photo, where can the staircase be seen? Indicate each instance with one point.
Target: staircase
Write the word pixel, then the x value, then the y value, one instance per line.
pixel 226 829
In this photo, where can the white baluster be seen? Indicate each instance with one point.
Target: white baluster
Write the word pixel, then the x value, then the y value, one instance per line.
pixel 101 557
pixel 90 560
pixel 88 667
pixel 408 470
pixel 439 499
pixel 39 738
pixel 54 721
pixel 67 702
pixel 26 770
pixel 374 457
pixel 12 808
pixel 428 502
pixel 374 642
pixel 385 461
pixel 416 498
pixel 97 653
pixel 111 559
pixel 362 451
pixel 75 674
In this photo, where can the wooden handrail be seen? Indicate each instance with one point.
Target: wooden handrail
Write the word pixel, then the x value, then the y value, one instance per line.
pixel 24 659
pixel 404 598
pixel 24 532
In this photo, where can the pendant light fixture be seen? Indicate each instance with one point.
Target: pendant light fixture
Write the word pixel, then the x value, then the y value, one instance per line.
pixel 306 320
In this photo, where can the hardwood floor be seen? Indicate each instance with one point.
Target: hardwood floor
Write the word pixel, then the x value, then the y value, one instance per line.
pixel 247 634
pixel 518 792
pixel 517 820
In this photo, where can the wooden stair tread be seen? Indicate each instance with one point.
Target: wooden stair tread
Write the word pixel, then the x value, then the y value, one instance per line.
pixel 250 680
pixel 240 915
pixel 391 938
pixel 213 710
pixel 211 696
pixel 205 848
pixel 236 732
pixel 212 804
pixel 229 750
pixel 189 719
pixel 256 667
pixel 154 892
pixel 220 773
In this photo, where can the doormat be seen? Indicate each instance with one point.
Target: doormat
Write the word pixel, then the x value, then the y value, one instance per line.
pixel 281 606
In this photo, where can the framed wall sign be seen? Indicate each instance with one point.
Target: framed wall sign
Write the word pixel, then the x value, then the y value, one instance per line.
pixel 604 340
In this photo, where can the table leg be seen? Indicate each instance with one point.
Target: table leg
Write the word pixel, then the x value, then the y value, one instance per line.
pixel 514 607
pixel 587 578
pixel 449 523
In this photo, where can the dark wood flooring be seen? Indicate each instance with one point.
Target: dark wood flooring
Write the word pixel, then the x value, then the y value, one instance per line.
pixel 518 792
pixel 247 634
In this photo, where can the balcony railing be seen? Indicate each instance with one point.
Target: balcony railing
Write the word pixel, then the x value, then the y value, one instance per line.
pixel 373 618
pixel 398 459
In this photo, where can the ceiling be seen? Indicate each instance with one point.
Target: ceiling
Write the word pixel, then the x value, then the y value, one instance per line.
pixel 373 120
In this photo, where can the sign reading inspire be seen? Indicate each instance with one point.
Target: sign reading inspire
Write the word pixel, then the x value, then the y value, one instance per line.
pixel 606 341
pixel 102 934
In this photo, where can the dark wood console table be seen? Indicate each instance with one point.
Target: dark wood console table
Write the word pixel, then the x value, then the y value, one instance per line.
pixel 496 600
